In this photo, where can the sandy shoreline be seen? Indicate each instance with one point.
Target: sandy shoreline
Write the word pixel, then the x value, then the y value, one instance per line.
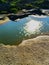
pixel 29 52
pixel 4 20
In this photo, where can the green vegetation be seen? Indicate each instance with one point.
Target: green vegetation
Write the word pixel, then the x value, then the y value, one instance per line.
pixel 13 6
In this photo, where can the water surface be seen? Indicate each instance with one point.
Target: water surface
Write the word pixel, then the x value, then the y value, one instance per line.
pixel 13 32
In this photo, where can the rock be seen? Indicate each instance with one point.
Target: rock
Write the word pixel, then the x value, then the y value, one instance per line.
pixel 37 11
pixel 29 52
pixel 17 16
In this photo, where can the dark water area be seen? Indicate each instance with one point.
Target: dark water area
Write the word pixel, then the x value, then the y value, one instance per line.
pixel 13 32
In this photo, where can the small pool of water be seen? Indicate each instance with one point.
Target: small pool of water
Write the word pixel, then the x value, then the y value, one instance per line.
pixel 13 32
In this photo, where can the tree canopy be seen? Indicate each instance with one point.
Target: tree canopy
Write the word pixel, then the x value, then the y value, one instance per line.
pixel 16 5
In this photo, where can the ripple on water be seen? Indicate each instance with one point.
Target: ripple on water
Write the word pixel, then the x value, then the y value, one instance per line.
pixel 14 32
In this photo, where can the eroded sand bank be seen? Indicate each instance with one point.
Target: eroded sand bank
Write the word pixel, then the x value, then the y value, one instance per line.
pixel 4 20
pixel 29 52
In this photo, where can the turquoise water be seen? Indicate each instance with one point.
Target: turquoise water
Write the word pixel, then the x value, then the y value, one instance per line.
pixel 13 32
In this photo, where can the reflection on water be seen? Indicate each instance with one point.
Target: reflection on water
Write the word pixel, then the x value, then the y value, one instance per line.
pixel 33 27
pixel 14 32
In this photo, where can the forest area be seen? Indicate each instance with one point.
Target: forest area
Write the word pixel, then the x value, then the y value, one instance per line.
pixel 13 6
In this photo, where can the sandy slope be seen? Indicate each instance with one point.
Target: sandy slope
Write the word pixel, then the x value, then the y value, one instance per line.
pixel 4 21
pixel 29 52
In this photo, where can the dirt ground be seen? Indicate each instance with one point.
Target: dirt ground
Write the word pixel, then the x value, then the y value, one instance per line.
pixel 29 52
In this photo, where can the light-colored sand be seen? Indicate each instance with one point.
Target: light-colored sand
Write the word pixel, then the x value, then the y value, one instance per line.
pixel 42 16
pixel 29 52
pixel 4 21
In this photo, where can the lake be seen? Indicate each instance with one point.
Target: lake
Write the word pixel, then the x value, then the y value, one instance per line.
pixel 14 32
